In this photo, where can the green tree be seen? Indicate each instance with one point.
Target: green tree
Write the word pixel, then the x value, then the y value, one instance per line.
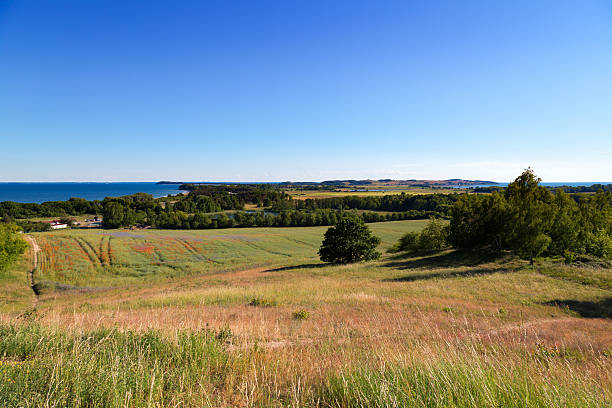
pixel 349 240
pixel 531 215
pixel 113 215
pixel 11 245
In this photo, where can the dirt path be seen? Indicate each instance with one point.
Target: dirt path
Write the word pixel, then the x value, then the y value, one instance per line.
pixel 35 251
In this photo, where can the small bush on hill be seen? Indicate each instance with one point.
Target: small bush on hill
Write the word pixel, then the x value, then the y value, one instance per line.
pixel 434 237
pixel 11 245
pixel 261 302
pixel 301 314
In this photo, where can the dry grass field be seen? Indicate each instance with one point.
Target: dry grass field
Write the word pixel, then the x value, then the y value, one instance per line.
pixel 250 317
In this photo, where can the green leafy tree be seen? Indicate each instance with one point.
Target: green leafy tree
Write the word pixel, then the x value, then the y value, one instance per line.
pixel 531 215
pixel 11 245
pixel 566 225
pixel 349 240
pixel 479 221
pixel 113 215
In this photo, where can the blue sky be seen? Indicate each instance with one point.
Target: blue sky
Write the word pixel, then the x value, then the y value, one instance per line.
pixel 305 90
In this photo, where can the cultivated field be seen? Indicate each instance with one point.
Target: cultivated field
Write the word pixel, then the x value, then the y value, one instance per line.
pixel 250 317
pixel 370 191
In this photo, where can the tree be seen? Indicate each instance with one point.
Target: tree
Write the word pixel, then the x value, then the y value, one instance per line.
pixel 11 245
pixel 531 215
pixel 113 215
pixel 349 240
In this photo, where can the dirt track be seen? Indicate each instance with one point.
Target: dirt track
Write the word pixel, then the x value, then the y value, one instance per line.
pixel 35 251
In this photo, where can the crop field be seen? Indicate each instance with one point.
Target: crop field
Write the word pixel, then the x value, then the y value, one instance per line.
pixel 100 257
pixel 370 191
pixel 252 318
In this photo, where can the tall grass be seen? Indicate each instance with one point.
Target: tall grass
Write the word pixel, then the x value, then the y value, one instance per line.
pixel 111 368
pixel 465 384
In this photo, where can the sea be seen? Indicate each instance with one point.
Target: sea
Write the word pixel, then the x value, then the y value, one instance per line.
pixel 41 192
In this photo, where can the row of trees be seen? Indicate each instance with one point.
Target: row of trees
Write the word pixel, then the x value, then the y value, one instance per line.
pixel 75 206
pixel 118 215
pixel 235 196
pixel 438 203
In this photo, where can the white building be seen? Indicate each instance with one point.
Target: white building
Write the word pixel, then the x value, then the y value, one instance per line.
pixel 57 225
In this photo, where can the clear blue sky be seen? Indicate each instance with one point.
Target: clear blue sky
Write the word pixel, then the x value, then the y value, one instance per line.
pixel 305 90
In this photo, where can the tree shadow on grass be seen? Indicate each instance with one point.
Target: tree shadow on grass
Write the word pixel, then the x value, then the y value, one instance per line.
pixel 445 260
pixel 475 260
pixel 294 267
pixel 586 308
pixel 450 274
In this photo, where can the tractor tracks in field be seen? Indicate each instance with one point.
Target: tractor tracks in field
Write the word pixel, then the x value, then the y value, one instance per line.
pixel 105 253
pixel 90 252
pixel 35 250
pixel 193 251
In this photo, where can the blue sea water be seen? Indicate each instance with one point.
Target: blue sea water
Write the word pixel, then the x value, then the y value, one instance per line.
pixel 41 192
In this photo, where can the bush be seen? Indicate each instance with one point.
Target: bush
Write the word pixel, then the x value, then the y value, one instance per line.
pixel 261 302
pixel 568 256
pixel 434 237
pixel 406 243
pixel 11 245
pixel 33 226
pixel 349 240
pixel 600 244
pixel 301 314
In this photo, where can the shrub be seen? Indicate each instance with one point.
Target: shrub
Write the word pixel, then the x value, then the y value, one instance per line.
pixel 434 237
pixel 261 302
pixel 600 244
pixel 11 245
pixel 301 314
pixel 406 243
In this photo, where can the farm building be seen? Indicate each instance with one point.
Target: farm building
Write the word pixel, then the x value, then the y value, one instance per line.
pixel 56 224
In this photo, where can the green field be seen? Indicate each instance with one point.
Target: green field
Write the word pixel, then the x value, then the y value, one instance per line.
pixel 210 318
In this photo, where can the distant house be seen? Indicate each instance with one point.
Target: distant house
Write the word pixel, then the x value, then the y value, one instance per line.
pixel 56 224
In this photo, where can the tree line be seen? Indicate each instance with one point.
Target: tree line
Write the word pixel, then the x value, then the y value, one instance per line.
pixel 117 215
pixel 438 203
pixel 235 196
pixel 75 206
